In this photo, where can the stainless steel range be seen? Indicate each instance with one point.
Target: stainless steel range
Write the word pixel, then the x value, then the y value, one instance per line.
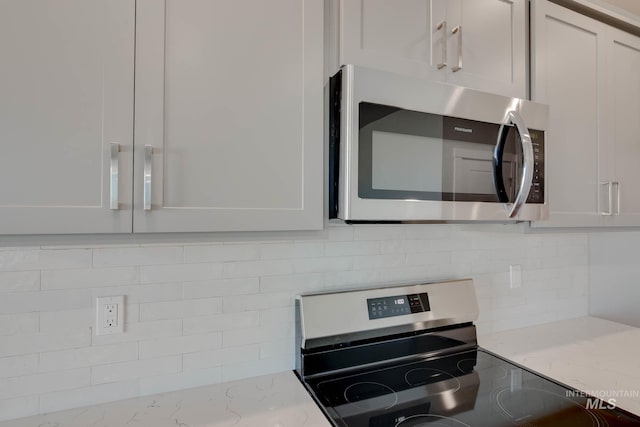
pixel 408 356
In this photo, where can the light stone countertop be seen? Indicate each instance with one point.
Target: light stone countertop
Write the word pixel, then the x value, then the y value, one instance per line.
pixel 277 400
pixel 590 354
pixel 587 353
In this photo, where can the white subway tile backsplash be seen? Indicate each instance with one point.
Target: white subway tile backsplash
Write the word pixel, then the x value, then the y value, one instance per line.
pixel 429 258
pixel 235 371
pixel 67 321
pixel 392 247
pixel 21 323
pixel 379 261
pixel 351 278
pixel 256 335
pixel 334 249
pixel 180 273
pixel 315 265
pixel 220 253
pixel 140 294
pixel 235 303
pixel 24 259
pixel 89 356
pixel 277 317
pixel 278 348
pixel 26 302
pixel 16 366
pixel 220 357
pixel 142 331
pixel 15 345
pixel 43 383
pixel 150 255
pixel 292 250
pixel 200 313
pixel 256 268
pixel 292 283
pixel 19 281
pixel 89 278
pixel 127 371
pixel 180 309
pixel 221 322
pixel 379 232
pixel 505 301
pixel 179 345
pixel 218 288
pixel 18 407
pixel 180 380
pixel 437 232
pixel 339 232
pixel 408 274
pixel 102 393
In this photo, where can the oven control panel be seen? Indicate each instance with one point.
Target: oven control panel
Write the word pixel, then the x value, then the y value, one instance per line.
pixel 398 305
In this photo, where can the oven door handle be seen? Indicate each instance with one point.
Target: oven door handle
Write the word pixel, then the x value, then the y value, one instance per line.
pixel 526 177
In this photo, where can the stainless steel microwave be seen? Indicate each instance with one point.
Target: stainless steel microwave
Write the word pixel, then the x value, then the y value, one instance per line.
pixel 403 149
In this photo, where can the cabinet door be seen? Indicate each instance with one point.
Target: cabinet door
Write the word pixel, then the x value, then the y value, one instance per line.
pixel 487 45
pixel 406 37
pixel 66 94
pixel 229 116
pixel 623 109
pixel 566 65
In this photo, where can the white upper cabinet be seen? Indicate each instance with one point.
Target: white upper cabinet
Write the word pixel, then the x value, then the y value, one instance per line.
pixel 588 74
pixel 623 126
pixel 66 98
pixel 488 51
pixel 229 120
pixel 228 116
pixel 397 36
pixel 474 43
pixel 566 66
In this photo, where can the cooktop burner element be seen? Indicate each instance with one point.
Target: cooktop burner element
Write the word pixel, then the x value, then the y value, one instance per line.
pixel 427 372
pixel 534 407
pixel 370 395
pixel 430 420
pixel 434 379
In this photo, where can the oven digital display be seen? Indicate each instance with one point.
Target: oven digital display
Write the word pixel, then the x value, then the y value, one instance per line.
pixel 398 305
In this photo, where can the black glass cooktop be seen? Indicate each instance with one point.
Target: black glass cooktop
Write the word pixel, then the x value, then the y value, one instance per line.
pixel 472 388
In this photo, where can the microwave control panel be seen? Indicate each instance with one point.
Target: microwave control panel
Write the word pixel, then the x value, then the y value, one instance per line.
pixel 536 194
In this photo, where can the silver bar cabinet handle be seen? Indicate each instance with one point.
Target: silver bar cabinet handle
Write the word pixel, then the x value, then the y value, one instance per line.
pixel 528 163
pixel 617 184
pixel 443 26
pixel 148 153
pixel 114 149
pixel 458 30
pixel 610 193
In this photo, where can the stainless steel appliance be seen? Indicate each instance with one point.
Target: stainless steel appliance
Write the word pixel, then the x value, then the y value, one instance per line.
pixel 408 356
pixel 405 149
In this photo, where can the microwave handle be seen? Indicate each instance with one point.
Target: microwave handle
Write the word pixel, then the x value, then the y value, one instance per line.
pixel 527 167
pixel 498 156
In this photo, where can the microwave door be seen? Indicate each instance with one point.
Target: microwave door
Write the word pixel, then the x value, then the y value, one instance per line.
pixel 474 174
pixel 505 162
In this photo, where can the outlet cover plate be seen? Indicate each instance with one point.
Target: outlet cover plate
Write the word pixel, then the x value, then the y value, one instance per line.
pixel 110 315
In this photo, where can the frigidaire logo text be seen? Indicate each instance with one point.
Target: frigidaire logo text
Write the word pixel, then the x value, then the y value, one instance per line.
pixel 465 130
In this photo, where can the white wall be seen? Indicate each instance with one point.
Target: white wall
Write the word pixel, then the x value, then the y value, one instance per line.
pixel 614 275
pixel 216 311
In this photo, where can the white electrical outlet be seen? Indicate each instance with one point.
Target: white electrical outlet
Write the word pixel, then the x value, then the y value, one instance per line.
pixel 110 315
